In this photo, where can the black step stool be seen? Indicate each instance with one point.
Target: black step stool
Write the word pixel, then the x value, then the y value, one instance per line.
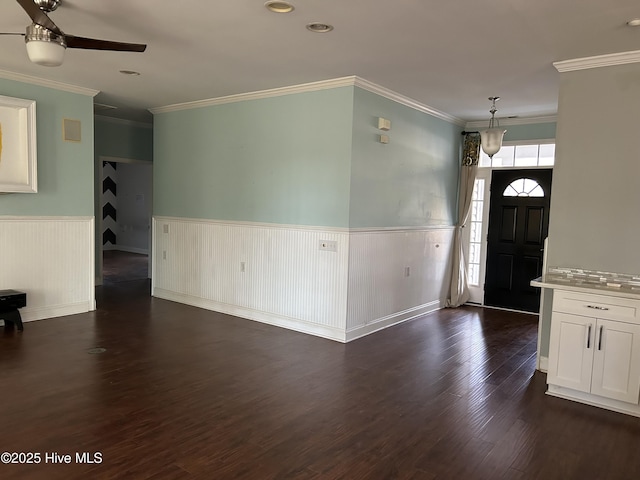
pixel 10 302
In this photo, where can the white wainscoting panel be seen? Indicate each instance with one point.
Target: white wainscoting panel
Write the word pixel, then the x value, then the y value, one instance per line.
pixel 269 273
pixel 278 274
pixel 52 259
pixel 396 275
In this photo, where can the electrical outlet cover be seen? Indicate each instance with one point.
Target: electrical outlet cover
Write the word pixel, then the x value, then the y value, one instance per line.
pixel 329 245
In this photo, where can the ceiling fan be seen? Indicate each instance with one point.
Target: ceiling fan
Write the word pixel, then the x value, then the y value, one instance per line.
pixel 46 43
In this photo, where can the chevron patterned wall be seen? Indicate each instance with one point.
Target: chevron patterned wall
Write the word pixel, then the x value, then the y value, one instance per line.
pixel 109 204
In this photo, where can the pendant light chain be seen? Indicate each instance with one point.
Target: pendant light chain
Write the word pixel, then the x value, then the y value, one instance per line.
pixel 493 122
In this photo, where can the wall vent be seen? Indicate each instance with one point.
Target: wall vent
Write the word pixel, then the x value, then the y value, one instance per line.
pixel 71 130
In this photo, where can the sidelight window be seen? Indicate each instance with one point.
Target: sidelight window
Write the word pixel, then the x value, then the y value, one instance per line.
pixel 475 233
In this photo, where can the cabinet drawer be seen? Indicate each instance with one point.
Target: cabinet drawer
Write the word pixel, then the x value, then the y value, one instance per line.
pixel 600 306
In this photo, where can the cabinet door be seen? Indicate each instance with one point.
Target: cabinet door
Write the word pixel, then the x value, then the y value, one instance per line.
pixel 571 348
pixel 616 361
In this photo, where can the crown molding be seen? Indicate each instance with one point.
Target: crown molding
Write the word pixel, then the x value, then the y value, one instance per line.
pixel 608 60
pixel 513 121
pixel 404 100
pixel 313 87
pixel 122 121
pixel 273 92
pixel 19 77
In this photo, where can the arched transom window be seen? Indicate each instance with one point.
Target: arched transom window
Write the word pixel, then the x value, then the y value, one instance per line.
pixel 523 187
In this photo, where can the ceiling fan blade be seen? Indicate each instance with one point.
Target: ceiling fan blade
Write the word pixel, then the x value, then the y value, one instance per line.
pixel 94 44
pixel 38 16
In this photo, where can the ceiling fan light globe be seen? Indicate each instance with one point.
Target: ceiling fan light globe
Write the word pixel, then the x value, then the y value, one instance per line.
pixel 48 54
pixel 491 140
pixel 47 5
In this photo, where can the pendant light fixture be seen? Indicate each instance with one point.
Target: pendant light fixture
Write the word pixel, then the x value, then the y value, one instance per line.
pixel 491 138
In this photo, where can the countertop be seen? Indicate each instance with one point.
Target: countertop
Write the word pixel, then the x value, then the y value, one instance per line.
pixel 563 282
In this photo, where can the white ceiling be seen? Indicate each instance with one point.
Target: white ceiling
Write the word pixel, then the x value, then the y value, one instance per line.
pixel 450 55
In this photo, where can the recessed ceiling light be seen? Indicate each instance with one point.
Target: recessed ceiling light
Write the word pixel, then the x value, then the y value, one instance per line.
pixel 319 27
pixel 279 7
pixel 634 23
pixel 129 72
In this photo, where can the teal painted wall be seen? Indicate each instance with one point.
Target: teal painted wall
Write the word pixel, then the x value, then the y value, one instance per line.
pixel 535 131
pixel 412 180
pixel 114 138
pixel 65 169
pixel 275 160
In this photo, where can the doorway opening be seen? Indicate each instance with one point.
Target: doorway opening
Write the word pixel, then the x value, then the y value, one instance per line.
pixel 516 158
pixel 124 220
pixel 518 226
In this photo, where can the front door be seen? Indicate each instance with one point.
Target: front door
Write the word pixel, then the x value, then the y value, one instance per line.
pixel 518 225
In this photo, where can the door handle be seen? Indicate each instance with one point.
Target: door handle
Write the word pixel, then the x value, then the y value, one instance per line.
pixel 600 339
pixel 589 336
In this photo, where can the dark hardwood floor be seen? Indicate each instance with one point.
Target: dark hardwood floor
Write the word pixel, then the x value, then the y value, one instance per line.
pixel 187 393
pixel 119 266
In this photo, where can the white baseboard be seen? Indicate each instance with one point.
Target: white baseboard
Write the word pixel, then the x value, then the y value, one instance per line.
pixel 299 325
pixel 31 314
pixel 393 319
pixel 255 315
pixel 594 400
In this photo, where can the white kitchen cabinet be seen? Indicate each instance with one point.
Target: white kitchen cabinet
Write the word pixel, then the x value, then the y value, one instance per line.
pixel 594 350
pixel 616 361
pixel 596 356
pixel 571 351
